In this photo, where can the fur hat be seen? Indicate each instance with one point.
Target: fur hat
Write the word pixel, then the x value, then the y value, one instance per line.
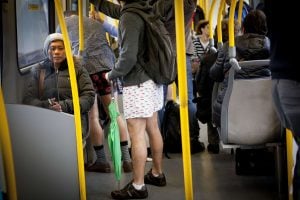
pixel 50 38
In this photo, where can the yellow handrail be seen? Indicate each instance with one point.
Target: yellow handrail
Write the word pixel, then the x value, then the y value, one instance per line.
pixel 211 33
pixel 81 33
pixel 290 161
pixel 240 12
pixel 231 51
pixel 182 85
pixel 6 149
pixel 200 3
pixel 75 98
pixel 92 7
pixel 174 91
pixel 219 23
pixel 205 8
pixel 231 23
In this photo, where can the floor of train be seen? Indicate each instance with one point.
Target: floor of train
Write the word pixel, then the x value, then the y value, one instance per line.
pixel 213 175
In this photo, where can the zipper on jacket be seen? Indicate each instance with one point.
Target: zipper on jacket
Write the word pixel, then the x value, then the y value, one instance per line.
pixel 56 76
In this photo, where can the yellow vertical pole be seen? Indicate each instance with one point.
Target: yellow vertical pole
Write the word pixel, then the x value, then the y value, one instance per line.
pixel 241 4
pixel 182 85
pixel 6 149
pixel 205 8
pixel 200 3
pixel 174 91
pixel 219 23
pixel 290 161
pixel 231 23
pixel 75 99
pixel 81 33
pixel 92 7
pixel 211 33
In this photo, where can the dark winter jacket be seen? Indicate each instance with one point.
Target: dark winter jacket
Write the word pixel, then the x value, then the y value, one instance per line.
pixel 204 88
pixel 248 47
pixel 165 8
pixel 97 54
pixel 284 61
pixel 57 85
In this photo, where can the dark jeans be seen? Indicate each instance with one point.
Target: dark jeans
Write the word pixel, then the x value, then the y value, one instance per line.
pixel 286 95
pixel 162 111
pixel 193 121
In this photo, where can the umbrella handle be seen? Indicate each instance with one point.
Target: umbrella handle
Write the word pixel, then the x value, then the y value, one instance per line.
pixel 112 90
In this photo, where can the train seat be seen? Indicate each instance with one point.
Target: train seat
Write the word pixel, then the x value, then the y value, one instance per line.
pixel 248 115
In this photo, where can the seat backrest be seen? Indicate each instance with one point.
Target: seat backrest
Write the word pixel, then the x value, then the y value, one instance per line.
pixel 44 153
pixel 248 115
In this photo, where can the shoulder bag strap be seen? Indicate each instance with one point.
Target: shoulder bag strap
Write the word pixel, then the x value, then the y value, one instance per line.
pixel 41 82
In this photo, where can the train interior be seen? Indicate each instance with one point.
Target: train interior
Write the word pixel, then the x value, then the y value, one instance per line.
pixel 44 149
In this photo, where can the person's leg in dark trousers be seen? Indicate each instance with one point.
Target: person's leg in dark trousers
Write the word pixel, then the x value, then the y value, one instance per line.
pixel 193 122
pixel 213 138
pixel 162 111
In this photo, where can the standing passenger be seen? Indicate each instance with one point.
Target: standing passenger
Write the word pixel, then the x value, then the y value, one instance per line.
pixel 142 98
pixel 204 87
pixel 54 90
pixel 286 75
pixel 201 39
pixel 98 58
pixel 165 8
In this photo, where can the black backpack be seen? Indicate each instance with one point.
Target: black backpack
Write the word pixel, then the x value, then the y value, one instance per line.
pixel 170 128
pixel 160 57
pixel 171 132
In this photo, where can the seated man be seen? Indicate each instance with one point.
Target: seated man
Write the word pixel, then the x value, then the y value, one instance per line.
pixel 50 84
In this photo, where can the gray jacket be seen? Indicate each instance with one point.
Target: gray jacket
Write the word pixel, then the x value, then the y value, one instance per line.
pixel 131 42
pixel 97 54
pixel 165 8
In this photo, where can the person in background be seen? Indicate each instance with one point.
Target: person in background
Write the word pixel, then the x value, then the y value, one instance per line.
pixel 286 76
pixel 201 45
pixel 204 88
pixel 109 28
pixel 201 40
pixel 252 45
pixel 98 58
pixel 165 9
pixel 198 15
pixel 50 86
pixel 245 11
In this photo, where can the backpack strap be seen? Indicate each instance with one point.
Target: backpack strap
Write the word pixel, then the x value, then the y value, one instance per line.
pixel 41 81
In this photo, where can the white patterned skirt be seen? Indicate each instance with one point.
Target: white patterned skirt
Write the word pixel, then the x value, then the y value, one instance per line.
pixel 143 100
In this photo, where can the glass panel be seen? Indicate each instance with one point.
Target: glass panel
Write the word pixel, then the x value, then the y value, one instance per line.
pixel 32 29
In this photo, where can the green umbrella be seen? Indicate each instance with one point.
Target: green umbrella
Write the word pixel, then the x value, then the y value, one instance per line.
pixel 114 138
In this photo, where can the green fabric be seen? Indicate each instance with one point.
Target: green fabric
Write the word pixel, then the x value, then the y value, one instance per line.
pixel 114 139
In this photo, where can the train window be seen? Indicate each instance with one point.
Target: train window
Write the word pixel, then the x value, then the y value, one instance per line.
pixel 32 28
